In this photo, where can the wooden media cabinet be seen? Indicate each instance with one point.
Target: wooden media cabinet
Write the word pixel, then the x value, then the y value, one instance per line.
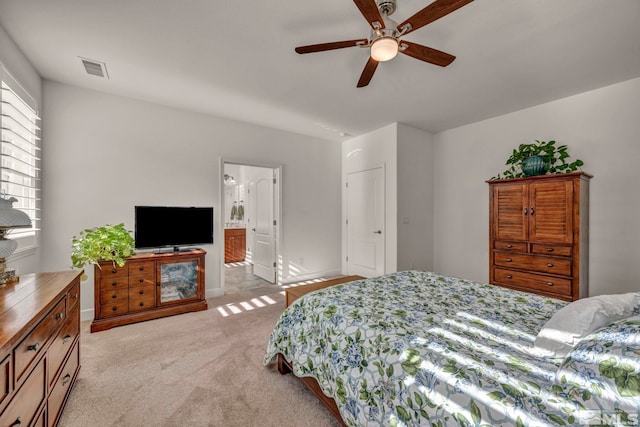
pixel 148 286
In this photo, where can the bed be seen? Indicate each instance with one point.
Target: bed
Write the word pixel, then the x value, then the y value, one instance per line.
pixel 417 348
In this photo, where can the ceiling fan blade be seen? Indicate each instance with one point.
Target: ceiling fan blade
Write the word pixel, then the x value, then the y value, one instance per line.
pixel 426 54
pixel 367 73
pixel 434 11
pixel 330 46
pixel 369 10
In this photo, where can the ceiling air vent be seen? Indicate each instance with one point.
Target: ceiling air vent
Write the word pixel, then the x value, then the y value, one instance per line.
pixel 95 68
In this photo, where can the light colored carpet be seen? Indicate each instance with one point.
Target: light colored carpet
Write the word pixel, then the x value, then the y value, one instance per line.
pixel 195 369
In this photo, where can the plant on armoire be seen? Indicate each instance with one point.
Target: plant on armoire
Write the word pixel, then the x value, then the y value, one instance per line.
pixel 539 158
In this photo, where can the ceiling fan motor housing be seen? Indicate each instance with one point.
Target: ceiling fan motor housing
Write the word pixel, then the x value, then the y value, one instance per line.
pixel 386 7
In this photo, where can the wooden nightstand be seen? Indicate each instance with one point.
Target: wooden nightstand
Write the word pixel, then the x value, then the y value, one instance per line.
pixel 292 294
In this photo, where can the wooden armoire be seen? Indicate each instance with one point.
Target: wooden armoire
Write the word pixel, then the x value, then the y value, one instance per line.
pixel 538 234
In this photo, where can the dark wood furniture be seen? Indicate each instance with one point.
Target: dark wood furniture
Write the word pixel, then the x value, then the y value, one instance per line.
pixel 538 234
pixel 40 341
pixel 235 244
pixel 285 367
pixel 148 286
pixel 293 293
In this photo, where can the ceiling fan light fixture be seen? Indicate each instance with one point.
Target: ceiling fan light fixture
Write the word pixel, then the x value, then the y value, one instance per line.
pixel 384 49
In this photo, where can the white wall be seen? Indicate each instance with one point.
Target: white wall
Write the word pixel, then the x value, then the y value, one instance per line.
pixel 406 154
pixel 19 67
pixel 415 199
pixel 106 154
pixel 601 127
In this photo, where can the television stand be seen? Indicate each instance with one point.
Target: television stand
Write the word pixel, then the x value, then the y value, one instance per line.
pixel 148 286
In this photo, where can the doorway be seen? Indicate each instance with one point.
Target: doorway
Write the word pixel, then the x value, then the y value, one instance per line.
pixel 366 223
pixel 250 209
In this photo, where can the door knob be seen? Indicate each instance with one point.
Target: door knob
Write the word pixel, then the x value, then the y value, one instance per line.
pixel 377 232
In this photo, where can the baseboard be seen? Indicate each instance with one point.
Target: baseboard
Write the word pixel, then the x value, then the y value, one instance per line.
pixel 87 314
pixel 321 274
pixel 213 292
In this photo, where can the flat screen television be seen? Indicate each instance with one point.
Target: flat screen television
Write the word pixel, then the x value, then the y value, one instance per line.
pixel 172 226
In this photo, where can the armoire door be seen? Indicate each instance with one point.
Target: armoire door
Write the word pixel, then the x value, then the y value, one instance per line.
pixel 551 211
pixel 510 210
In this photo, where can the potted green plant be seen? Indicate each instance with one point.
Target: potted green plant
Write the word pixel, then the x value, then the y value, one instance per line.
pixel 110 242
pixel 539 158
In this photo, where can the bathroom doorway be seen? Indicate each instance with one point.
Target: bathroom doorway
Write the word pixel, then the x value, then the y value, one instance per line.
pixel 251 226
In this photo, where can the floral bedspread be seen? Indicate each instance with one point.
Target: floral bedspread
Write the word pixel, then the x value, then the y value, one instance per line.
pixel 417 348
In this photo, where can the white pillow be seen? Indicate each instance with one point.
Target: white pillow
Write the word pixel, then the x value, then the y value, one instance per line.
pixel 578 319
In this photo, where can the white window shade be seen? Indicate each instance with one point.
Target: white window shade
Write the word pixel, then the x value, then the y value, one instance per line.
pixel 20 154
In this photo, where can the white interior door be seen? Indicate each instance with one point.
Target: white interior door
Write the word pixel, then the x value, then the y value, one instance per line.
pixel 365 223
pixel 263 248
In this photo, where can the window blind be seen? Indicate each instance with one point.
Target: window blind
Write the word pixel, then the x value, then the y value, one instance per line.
pixel 20 154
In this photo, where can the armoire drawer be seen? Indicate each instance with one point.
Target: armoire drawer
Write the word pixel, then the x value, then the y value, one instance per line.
pixel 536 263
pixel 142 297
pixel 510 246
pixel 550 249
pixel 114 296
pixel 114 283
pixel 533 281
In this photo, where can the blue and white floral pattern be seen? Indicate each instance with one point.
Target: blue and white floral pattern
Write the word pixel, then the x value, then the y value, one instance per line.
pixel 416 348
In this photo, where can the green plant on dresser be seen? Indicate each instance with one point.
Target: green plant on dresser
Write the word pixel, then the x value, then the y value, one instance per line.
pixel 107 243
pixel 539 158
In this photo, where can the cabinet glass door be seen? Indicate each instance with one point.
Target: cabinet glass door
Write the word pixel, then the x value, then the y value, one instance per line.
pixel 178 281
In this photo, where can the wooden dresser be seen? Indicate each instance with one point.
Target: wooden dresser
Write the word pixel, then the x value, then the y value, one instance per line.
pixel 235 244
pixel 40 340
pixel 148 286
pixel 538 234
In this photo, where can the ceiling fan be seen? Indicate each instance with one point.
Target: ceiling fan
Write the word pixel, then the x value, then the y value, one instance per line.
pixel 385 39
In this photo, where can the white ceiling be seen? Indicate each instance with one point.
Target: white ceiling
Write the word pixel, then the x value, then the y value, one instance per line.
pixel 236 59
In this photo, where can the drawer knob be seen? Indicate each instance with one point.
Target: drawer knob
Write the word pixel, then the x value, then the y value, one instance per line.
pixel 114 283
pixel 114 271
pixel 141 268
pixel 34 347
pixel 66 339
pixel 141 292
pixel 114 308
pixel 59 316
pixel 509 259
pixel 141 304
pixel 549 283
pixel 509 245
pixel 549 249
pixel 549 265
pixel 74 296
pixel 141 280
pixel 17 422
pixel 114 296
pixel 509 276
pixel 66 379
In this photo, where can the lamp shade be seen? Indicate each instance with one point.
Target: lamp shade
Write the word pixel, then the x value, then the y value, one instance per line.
pixel 10 217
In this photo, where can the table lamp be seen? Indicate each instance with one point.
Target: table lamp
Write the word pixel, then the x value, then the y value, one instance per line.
pixel 9 218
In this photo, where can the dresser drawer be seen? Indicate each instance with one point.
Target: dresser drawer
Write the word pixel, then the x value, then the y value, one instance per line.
pixel 114 308
pixel 550 249
pixel 62 343
pixel 510 246
pixel 25 404
pixel 533 281
pixel 63 385
pixel 114 296
pixel 142 297
pixel 114 283
pixel 6 385
pixel 140 280
pixel 108 271
pixel 35 342
pixel 142 268
pixel 73 297
pixel 534 262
